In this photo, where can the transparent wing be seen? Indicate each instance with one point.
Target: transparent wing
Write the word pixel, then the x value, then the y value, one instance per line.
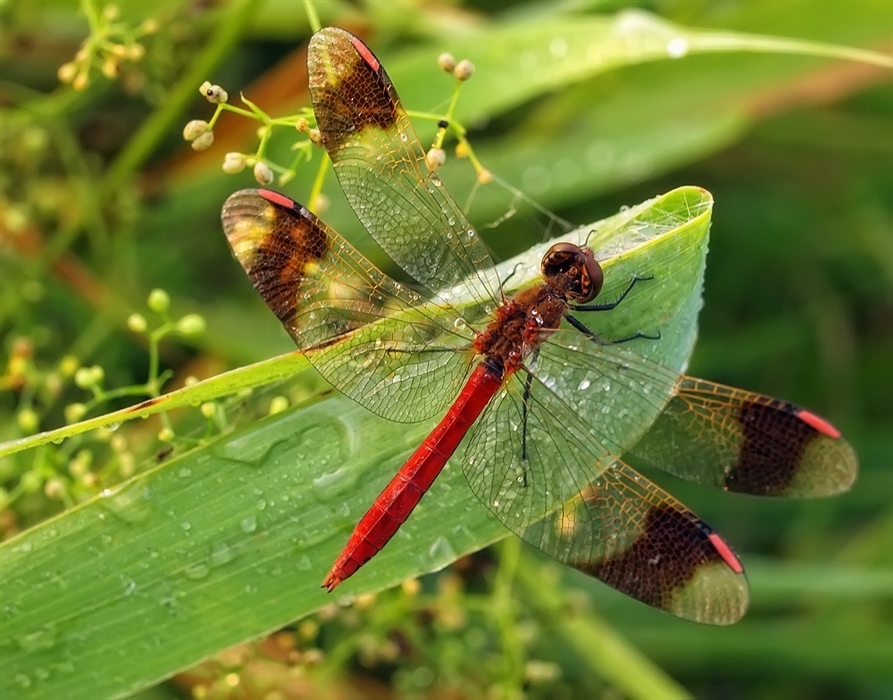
pixel 697 430
pixel 369 336
pixel 546 472
pixel 742 441
pixel 381 167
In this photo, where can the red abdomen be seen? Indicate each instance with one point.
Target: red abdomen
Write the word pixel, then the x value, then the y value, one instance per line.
pixel 406 489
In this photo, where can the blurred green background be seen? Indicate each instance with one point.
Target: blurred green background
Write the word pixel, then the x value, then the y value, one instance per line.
pixel 101 201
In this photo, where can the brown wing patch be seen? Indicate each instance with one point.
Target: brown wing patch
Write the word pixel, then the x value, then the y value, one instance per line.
pixel 673 553
pixel 749 443
pixel 351 89
pixel 771 451
pixel 276 241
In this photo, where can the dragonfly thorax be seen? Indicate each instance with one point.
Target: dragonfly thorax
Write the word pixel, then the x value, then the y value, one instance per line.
pixel 521 325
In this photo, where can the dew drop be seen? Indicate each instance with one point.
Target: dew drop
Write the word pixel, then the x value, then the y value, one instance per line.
pixel 248 524
pixel 184 473
pixel 128 584
pixel 196 571
pixel 439 554
pixel 64 667
pixel 41 639
pixel 131 503
pixel 329 485
pixel 304 563
pixel 222 553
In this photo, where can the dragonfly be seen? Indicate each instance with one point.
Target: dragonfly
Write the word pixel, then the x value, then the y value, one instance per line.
pixel 520 378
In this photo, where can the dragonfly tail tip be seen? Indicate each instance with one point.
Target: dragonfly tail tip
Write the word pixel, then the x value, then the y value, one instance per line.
pixel 331 582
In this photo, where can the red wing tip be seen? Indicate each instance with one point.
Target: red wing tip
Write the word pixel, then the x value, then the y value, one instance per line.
pixel 276 198
pixel 726 553
pixel 365 53
pixel 819 423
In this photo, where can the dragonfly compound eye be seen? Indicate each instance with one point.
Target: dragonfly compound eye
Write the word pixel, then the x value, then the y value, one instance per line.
pixel 573 271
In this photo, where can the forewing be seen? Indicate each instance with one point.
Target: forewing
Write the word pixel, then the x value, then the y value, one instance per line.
pixel 381 167
pixel 741 441
pixel 544 471
pixel 369 336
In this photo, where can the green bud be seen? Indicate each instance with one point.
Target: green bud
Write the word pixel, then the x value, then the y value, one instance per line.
pixel 159 301
pixel 191 324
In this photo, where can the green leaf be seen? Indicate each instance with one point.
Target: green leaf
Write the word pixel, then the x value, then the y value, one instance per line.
pixel 232 540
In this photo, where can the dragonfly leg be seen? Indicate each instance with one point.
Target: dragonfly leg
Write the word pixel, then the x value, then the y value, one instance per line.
pixel 616 302
pixel 576 323
pixel 511 274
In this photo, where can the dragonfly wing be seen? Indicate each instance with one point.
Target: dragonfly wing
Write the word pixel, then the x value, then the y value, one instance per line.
pixel 628 532
pixel 371 337
pixel 538 466
pixel 614 390
pixel 382 170
pixel 741 441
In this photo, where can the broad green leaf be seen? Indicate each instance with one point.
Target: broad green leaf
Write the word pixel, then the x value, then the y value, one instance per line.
pixel 231 540
pixel 520 61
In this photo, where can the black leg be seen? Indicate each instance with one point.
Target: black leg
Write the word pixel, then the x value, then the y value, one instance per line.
pixel 511 274
pixel 576 323
pixel 614 304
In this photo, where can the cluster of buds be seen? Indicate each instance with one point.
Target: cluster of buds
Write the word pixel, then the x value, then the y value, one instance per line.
pixel 235 162
pixel 462 70
pixel 109 45
pixel 201 135
pixel 198 132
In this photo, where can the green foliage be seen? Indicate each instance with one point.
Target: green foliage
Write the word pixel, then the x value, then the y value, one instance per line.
pixel 225 530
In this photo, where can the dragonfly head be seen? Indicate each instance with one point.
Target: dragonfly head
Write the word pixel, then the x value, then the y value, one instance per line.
pixel 573 272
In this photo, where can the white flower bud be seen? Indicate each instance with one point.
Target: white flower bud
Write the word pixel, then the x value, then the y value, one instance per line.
pixel 262 173
pixel 464 69
pixel 203 142
pixel 447 62
pixel 213 93
pixel 435 158
pixel 194 129
pixel 233 163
